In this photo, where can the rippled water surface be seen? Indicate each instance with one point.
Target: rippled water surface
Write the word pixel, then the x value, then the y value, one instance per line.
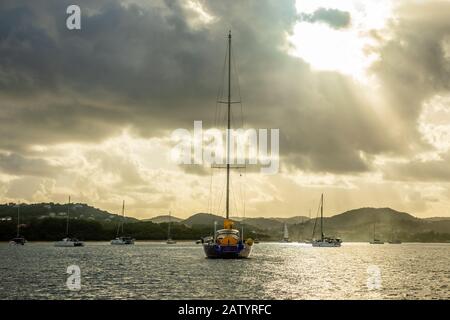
pixel 275 271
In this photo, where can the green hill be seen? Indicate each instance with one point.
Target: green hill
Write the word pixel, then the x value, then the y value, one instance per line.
pixel 46 221
pixel 57 210
pixel 163 219
pixel 358 225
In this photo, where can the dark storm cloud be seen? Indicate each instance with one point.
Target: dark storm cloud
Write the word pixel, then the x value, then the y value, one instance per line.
pixel 146 67
pixel 45 120
pixel 15 164
pixel 334 18
pixel 131 64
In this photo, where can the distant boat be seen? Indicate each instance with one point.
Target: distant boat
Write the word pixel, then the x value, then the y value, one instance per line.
pixel 394 239
pixel 285 234
pixel 69 241
pixel 324 241
pixel 120 238
pixel 375 240
pixel 169 238
pixel 228 242
pixel 18 240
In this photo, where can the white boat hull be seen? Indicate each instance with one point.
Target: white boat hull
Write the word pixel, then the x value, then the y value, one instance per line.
pixel 122 242
pixel 17 242
pixel 69 243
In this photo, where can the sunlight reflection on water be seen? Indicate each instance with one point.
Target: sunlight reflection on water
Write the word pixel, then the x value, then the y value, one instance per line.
pixel 151 270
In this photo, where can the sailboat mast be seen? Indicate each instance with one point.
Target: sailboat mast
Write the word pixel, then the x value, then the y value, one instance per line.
pixel 374 230
pixel 168 228
pixel 123 214
pixel 18 219
pixel 321 218
pixel 228 127
pixel 67 220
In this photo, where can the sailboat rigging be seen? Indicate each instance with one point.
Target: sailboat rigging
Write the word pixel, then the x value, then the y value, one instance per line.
pixel 169 238
pixel 18 240
pixel 394 239
pixel 120 238
pixel 228 242
pixel 375 240
pixel 68 241
pixel 324 241
pixel 286 234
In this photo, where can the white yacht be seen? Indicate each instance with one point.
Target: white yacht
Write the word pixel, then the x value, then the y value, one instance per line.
pixel 18 240
pixel 69 241
pixel 394 239
pixel 169 238
pixel 324 241
pixel 375 240
pixel 285 234
pixel 122 240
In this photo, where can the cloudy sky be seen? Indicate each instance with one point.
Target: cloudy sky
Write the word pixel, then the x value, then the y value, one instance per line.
pixel 360 91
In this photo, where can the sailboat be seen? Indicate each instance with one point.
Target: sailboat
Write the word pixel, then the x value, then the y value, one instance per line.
pixel 18 240
pixel 394 239
pixel 120 238
pixel 325 241
pixel 227 242
pixel 307 241
pixel 286 234
pixel 375 240
pixel 169 238
pixel 68 241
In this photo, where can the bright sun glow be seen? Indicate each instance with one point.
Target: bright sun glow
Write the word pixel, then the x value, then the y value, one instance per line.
pixel 346 50
pixel 202 16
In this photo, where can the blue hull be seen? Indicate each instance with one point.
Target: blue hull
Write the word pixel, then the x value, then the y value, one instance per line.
pixel 214 251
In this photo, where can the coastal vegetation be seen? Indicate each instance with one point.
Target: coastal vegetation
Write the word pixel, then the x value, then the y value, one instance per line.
pixel 46 222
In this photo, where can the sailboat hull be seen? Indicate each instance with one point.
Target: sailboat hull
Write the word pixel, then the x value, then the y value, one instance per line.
pixel 325 244
pixel 215 251
pixel 67 243
pixel 18 241
pixel 122 241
